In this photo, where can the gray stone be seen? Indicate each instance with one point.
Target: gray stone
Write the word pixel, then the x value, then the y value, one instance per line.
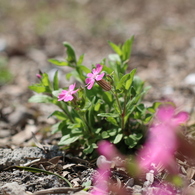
pixel 13 189
pixel 20 156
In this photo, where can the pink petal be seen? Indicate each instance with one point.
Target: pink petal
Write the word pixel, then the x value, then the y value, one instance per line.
pixel 38 76
pixel 99 68
pixel 89 75
pixel 62 95
pixel 99 77
pixel 73 92
pixel 107 149
pixel 71 87
pixel 181 117
pixel 68 98
pixel 88 80
pixel 91 84
pixel 165 114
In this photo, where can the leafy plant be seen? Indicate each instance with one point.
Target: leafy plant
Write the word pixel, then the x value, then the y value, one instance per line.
pixel 107 105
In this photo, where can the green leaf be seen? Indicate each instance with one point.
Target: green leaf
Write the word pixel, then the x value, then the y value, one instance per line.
pixel 90 148
pixel 45 80
pixel 114 57
pixel 115 48
pixel 130 79
pixel 80 60
pixel 58 62
pixel 126 49
pixel 56 92
pixel 84 68
pixel 55 81
pixel 107 69
pixel 118 138
pixel 114 115
pixel 39 88
pixel 105 135
pixel 58 114
pixel 67 139
pixel 133 139
pixel 126 80
pixel 70 52
pixel 153 108
pixel 41 99
pixel 122 81
pixel 55 128
pixel 68 75
pixel 141 107
pixel 147 118
pixel 112 120
pixel 75 74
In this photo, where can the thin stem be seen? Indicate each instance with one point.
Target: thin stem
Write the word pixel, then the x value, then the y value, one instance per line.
pixel 69 117
pixel 85 122
pixel 120 108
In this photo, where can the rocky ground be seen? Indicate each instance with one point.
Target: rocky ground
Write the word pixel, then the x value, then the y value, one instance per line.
pixel 30 33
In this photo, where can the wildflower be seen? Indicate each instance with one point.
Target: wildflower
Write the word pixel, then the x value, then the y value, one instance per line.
pixel 38 76
pixel 111 154
pixel 162 143
pixel 101 182
pixel 67 95
pixel 95 76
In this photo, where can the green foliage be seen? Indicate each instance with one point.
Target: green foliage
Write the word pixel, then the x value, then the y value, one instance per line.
pixel 5 75
pixel 117 115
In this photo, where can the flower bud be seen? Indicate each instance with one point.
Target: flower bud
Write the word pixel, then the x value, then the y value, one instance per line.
pixel 104 85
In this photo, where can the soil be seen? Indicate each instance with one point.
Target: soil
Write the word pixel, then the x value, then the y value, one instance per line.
pixel 30 33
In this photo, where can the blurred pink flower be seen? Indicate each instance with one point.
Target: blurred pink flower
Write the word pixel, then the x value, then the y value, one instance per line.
pixel 94 76
pixel 38 76
pixel 67 95
pixel 162 142
pixel 100 182
pixel 107 149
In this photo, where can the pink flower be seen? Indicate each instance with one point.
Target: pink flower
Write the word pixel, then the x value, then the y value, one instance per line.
pixel 107 149
pixel 38 76
pixel 101 182
pixel 111 154
pixel 67 95
pixel 94 76
pixel 162 143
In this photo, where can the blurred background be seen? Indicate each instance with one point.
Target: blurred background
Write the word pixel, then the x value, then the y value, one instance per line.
pixel 31 32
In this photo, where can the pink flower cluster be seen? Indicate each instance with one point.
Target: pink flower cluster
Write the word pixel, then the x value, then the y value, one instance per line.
pixel 67 95
pixel 162 142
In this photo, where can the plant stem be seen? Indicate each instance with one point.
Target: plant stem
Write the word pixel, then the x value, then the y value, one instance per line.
pixel 124 110
pixel 120 108
pixel 85 123
pixel 65 111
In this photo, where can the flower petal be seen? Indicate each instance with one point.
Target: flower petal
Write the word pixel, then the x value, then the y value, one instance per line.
pixel 90 75
pixel 68 98
pixel 88 80
pixel 181 117
pixel 99 77
pixel 62 95
pixel 164 114
pixel 99 68
pixel 91 84
pixel 71 87
pixel 73 92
